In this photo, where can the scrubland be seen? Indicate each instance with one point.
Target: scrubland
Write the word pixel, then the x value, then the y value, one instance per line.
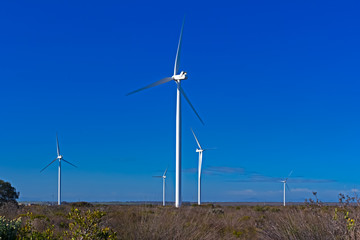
pixel 311 220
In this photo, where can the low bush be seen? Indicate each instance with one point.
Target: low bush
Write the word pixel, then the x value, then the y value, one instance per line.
pixel 9 228
pixel 313 220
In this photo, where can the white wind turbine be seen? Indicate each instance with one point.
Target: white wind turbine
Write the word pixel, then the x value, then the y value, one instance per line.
pixel 200 150
pixel 60 158
pixel 177 79
pixel 164 179
pixel 286 185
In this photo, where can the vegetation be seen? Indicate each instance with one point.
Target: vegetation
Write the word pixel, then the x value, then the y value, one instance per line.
pixel 9 228
pixel 87 226
pixel 312 220
pixel 7 193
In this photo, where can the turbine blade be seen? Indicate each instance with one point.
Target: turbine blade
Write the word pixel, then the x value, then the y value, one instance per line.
pixel 157 176
pixel 48 164
pixel 209 149
pixel 187 99
pixel 287 186
pixel 196 139
pixel 164 80
pixel 290 173
pixel 69 163
pixel 177 58
pixel 57 145
pixel 165 172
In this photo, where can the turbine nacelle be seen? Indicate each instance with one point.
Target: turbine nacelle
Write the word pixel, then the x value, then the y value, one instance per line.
pixel 181 76
pixel 59 157
pixel 199 150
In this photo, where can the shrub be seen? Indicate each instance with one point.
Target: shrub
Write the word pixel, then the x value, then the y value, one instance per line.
pixel 261 208
pixel 9 228
pixel 217 211
pixel 87 226
pixel 28 231
pixel 245 218
pixel 81 204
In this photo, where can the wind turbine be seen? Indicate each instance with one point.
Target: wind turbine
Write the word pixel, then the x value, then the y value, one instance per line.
pixel 200 150
pixel 164 179
pixel 177 79
pixel 59 158
pixel 286 185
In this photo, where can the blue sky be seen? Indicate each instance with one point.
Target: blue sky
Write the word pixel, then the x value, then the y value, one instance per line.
pixel 277 84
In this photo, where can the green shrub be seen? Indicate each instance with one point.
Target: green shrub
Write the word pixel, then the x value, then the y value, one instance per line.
pixel 274 209
pixel 261 208
pixel 238 234
pixel 245 218
pixel 9 228
pixel 81 204
pixel 28 231
pixel 216 211
pixel 87 226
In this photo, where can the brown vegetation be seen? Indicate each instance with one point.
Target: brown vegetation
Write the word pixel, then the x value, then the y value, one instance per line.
pixel 312 220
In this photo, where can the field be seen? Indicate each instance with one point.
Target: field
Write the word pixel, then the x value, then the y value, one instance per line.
pixel 311 220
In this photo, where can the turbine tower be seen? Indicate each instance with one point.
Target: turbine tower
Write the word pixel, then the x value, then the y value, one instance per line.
pixel 200 150
pixel 177 78
pixel 59 158
pixel 286 186
pixel 164 179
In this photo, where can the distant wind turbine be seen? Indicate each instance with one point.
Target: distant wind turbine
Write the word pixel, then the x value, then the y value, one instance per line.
pixel 164 178
pixel 200 150
pixel 177 78
pixel 60 158
pixel 286 186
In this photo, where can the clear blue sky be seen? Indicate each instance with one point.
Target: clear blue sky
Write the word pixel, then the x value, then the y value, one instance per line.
pixel 276 82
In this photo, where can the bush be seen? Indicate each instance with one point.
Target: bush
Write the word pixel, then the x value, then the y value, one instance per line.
pixel 87 226
pixel 28 231
pixel 81 204
pixel 216 211
pixel 9 228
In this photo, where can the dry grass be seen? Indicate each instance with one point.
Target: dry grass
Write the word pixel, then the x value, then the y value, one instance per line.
pixel 308 222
